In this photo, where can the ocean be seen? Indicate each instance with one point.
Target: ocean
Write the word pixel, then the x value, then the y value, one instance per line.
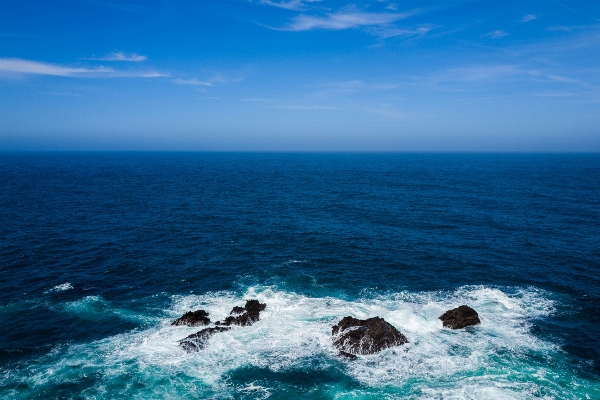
pixel 100 252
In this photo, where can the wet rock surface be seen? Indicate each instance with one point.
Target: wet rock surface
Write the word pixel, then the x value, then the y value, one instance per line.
pixel 237 310
pixel 197 341
pixel 193 318
pixel 245 316
pixel 460 317
pixel 355 336
pixel 242 316
pixel 348 355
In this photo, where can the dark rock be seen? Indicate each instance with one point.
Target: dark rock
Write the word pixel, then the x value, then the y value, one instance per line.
pixel 198 340
pixel 237 310
pixel 254 306
pixel 193 318
pixel 348 355
pixel 368 336
pixel 460 317
pixel 245 316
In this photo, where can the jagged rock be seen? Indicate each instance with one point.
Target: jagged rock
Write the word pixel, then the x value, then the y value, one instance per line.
pixel 237 310
pixel 193 318
pixel 197 341
pixel 460 317
pixel 246 316
pixel 355 336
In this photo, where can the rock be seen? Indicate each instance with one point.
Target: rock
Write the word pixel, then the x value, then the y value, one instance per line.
pixel 197 341
pixel 348 355
pixel 237 310
pixel 246 316
pixel 355 336
pixel 460 317
pixel 193 318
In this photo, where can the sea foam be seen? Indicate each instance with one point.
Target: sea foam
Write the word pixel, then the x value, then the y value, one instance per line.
pixel 60 288
pixel 498 359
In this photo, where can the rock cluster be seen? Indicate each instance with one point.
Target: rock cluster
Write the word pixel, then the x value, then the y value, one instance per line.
pixel 460 317
pixel 193 318
pixel 246 316
pixel 351 336
pixel 365 336
pixel 197 341
pixel 242 316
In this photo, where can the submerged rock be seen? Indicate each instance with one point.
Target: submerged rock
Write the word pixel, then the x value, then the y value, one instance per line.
pixel 460 317
pixel 356 336
pixel 197 341
pixel 246 316
pixel 193 318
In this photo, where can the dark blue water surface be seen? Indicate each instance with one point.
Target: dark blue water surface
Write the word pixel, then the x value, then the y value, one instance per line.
pixel 99 251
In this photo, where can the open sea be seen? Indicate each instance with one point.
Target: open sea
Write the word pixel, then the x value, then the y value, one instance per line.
pixel 100 252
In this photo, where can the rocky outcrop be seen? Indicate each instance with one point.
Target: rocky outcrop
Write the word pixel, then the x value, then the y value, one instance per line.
pixel 356 336
pixel 193 318
pixel 198 340
pixel 460 317
pixel 237 310
pixel 245 316
pixel 242 316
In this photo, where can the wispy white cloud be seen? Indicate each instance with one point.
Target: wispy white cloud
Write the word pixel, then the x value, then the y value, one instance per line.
pixel 213 81
pixel 290 4
pixel 498 73
pixel 18 66
pixel 559 28
pixel 554 77
pixel 194 81
pixel 497 34
pixel 528 17
pixel 357 85
pixel 121 56
pixel 385 32
pixel 344 20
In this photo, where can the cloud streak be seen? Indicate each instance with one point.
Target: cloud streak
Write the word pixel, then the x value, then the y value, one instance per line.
pixel 121 56
pixel 497 34
pixel 19 66
pixel 193 82
pixel 289 5
pixel 385 32
pixel 344 20
pixel 528 17
pixel 215 80
pixel 498 73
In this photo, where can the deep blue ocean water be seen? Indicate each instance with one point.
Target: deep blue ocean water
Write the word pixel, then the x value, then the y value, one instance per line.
pixel 100 252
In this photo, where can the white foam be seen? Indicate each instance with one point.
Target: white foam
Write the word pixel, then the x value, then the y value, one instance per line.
pixel 60 288
pixel 94 307
pixel 485 361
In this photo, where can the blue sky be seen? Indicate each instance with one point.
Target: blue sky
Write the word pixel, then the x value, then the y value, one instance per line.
pixel 300 75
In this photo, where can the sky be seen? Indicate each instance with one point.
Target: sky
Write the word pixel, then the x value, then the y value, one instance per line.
pixel 300 75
